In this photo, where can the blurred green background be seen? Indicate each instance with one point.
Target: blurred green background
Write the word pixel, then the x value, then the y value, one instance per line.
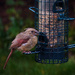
pixel 14 17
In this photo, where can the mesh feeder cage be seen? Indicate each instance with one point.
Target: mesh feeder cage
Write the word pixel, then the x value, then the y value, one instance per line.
pixel 51 20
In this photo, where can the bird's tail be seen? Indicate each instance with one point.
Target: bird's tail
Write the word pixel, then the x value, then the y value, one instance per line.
pixel 8 58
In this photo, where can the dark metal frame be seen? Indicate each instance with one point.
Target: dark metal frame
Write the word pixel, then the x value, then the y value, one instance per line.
pixel 58 53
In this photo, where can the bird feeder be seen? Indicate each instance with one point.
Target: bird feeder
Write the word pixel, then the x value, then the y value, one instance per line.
pixel 51 18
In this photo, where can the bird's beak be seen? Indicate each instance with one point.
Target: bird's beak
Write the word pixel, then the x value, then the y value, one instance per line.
pixel 37 32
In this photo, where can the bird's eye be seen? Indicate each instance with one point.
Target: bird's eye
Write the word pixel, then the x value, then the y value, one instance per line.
pixel 35 32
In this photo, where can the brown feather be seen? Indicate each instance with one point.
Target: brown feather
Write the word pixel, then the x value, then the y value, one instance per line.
pixel 29 45
pixel 20 39
pixel 18 43
pixel 8 58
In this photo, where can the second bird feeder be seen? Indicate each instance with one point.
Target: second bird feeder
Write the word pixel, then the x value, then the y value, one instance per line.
pixel 51 17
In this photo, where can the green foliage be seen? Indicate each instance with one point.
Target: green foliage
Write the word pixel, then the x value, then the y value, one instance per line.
pixel 2 35
pixel 10 11
pixel 12 2
pixel 19 2
pixel 26 66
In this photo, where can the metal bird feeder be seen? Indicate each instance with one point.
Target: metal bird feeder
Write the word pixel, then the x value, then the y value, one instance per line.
pixel 51 17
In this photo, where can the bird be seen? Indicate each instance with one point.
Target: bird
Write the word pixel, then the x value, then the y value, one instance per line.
pixel 23 42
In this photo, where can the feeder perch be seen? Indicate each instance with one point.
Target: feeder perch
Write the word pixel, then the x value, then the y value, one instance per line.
pixel 51 20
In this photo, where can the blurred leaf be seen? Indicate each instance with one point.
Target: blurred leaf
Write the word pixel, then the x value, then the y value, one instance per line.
pixel 10 11
pixel 19 3
pixel 29 23
pixel 21 22
pixel 1 25
pixel 10 2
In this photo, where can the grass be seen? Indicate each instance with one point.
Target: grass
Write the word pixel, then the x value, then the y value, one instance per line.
pixel 20 64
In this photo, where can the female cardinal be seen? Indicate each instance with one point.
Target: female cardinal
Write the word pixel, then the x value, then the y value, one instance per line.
pixel 24 42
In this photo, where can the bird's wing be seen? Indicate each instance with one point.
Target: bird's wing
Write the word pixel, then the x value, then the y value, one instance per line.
pixel 21 36
pixel 18 41
pixel 29 45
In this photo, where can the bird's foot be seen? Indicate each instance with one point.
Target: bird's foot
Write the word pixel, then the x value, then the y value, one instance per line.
pixel 26 52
